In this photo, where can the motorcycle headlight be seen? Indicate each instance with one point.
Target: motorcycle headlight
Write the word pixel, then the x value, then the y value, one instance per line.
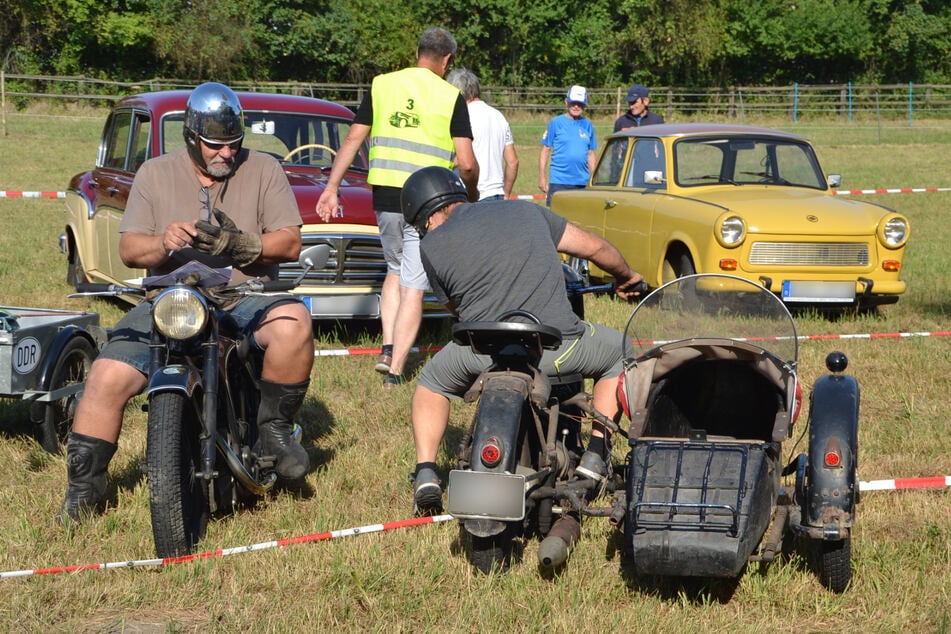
pixel 893 233
pixel 179 313
pixel 731 231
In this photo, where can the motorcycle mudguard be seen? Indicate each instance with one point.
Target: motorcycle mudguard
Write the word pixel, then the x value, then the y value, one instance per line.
pixel 174 378
pixel 501 409
pixel 499 417
pixel 831 490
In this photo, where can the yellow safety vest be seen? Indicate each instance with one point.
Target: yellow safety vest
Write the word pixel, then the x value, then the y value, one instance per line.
pixel 412 109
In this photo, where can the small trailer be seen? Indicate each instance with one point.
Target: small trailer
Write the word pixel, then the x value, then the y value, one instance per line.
pixel 45 355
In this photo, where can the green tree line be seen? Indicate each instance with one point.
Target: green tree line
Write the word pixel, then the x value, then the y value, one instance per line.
pixel 532 42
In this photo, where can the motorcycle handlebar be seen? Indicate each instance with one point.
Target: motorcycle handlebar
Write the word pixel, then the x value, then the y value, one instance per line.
pixel 278 286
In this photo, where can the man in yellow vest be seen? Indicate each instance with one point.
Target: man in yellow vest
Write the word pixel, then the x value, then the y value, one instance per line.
pixel 414 119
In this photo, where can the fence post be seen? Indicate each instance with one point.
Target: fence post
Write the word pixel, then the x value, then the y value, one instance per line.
pixel 3 99
pixel 911 103
pixel 795 102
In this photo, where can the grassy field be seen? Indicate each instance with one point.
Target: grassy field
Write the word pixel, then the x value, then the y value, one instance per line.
pixel 360 442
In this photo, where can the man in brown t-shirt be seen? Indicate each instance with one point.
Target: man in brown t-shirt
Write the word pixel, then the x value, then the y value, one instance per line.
pixel 174 205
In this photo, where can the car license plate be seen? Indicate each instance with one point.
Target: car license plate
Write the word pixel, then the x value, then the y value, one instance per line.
pixel 483 495
pixel 343 306
pixel 817 292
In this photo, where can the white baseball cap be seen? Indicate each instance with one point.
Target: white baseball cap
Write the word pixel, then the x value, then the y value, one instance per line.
pixel 578 94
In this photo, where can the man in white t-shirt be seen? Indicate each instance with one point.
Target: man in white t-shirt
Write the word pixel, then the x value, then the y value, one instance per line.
pixel 492 139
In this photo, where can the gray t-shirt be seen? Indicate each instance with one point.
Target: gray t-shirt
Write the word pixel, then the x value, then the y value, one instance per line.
pixel 492 257
pixel 257 197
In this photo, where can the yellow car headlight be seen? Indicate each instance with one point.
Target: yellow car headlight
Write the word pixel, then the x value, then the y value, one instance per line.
pixel 730 231
pixel 894 231
pixel 179 313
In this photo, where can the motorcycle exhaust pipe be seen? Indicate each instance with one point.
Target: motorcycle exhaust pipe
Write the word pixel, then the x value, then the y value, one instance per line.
pixel 553 551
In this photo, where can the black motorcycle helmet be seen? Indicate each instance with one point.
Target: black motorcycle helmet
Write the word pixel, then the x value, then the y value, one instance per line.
pixel 427 191
pixel 213 114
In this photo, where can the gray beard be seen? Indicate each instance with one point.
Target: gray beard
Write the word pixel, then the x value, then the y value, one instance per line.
pixel 220 170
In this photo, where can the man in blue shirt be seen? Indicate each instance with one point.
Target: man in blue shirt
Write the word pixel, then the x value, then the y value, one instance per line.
pixel 570 143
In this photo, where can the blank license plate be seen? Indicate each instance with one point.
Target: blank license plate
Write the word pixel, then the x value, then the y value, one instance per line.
pixel 481 495
pixel 818 292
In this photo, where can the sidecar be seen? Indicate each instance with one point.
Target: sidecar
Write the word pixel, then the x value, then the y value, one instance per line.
pixel 711 389
pixel 45 354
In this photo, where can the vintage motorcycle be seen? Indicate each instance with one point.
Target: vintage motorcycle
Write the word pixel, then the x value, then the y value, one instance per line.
pixel 202 452
pixel 711 389
pixel 516 466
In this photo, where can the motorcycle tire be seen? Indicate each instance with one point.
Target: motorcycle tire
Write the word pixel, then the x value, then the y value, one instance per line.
pixel 177 498
pixel 494 553
pixel 56 418
pixel 834 562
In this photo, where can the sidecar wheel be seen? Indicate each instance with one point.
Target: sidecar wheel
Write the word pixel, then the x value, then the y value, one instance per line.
pixel 834 560
pixel 494 553
pixel 177 497
pixel 56 417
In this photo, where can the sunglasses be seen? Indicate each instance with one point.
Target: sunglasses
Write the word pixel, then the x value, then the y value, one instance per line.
pixel 572 104
pixel 217 147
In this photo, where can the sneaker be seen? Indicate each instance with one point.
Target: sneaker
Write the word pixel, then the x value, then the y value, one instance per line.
pixel 392 380
pixel 427 494
pixel 383 363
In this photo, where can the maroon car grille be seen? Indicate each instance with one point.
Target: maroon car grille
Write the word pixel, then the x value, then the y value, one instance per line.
pixel 809 254
pixel 355 260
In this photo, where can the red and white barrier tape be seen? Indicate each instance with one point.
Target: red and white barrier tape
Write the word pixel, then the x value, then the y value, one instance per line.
pixel 872 485
pixel 837 192
pixel 224 552
pixel 18 194
pixel 344 352
pixel 896 190
pixel 898 484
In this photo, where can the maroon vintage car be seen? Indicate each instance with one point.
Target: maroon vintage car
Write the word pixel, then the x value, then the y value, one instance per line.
pixel 303 133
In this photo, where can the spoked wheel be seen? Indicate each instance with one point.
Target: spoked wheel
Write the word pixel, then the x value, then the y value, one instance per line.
pixel 494 553
pixel 834 560
pixel 55 419
pixel 177 496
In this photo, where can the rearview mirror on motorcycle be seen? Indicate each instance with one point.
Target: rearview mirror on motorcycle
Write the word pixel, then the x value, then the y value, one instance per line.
pixel 311 258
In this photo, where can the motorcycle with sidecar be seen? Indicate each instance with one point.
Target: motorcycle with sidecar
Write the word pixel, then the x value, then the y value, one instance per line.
pixel 712 391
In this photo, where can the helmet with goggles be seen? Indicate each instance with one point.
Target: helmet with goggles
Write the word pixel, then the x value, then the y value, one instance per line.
pixel 213 115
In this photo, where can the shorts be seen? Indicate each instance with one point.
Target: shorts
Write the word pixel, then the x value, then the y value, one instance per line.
pixel 129 340
pixel 595 354
pixel 401 250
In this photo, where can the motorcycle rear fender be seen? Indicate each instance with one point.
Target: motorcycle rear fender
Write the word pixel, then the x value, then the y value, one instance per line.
pixel 501 409
pixel 174 378
pixel 832 492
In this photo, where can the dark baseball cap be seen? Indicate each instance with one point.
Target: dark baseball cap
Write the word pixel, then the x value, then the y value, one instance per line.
pixel 635 92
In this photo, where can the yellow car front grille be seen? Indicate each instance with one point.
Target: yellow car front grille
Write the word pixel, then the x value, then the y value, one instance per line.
pixel 809 254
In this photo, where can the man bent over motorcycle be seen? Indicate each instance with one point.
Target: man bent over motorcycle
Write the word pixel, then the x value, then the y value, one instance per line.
pixel 482 260
pixel 217 203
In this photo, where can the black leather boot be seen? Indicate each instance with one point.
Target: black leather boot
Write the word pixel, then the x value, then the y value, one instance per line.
pixel 87 459
pixel 279 403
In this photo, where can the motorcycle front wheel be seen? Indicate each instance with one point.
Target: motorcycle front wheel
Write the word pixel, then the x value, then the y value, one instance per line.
pixel 177 497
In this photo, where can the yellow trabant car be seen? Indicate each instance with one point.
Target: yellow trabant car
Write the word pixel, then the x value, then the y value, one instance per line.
pixel 679 199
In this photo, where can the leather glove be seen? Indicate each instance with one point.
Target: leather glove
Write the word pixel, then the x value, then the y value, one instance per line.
pixel 243 248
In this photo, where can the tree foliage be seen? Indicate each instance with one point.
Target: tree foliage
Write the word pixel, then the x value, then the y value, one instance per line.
pixel 534 42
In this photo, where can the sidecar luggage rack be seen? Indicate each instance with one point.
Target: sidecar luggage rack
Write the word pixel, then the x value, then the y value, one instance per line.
pixel 690 485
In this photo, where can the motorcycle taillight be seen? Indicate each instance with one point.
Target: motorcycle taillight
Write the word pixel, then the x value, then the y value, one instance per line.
pixel 491 453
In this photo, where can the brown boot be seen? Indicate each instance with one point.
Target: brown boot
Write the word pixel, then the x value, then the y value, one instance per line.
pixel 87 459
pixel 279 403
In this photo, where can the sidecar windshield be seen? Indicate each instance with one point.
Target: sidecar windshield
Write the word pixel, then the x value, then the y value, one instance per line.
pixel 711 306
